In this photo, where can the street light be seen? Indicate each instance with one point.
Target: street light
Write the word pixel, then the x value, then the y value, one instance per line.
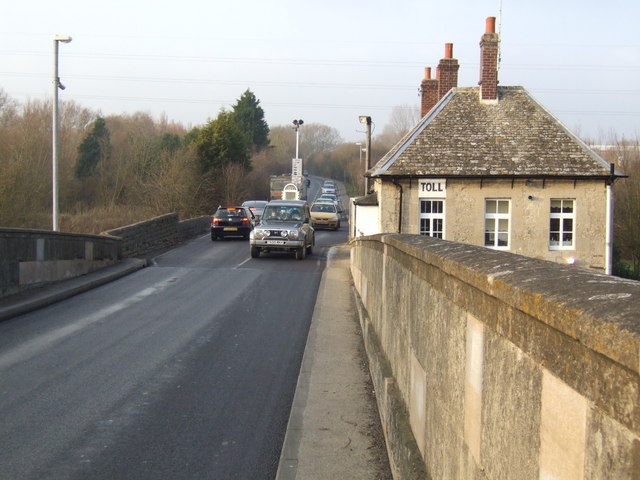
pixel 360 149
pixel 298 124
pixel 367 120
pixel 56 85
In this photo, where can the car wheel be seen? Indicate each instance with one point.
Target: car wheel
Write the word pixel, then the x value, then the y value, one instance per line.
pixel 300 253
pixel 255 252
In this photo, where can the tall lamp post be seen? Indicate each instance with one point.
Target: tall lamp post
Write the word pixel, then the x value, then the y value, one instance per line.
pixel 297 124
pixel 360 149
pixel 56 85
pixel 367 120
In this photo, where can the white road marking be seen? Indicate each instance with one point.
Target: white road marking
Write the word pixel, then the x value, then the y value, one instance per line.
pixel 33 347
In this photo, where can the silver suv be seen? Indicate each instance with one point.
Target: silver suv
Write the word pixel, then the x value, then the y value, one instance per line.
pixel 284 227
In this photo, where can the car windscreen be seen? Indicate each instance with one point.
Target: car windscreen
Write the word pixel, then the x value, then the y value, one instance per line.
pixel 323 208
pixel 282 213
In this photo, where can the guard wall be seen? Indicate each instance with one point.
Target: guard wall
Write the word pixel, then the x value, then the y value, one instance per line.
pixel 29 258
pixel 490 365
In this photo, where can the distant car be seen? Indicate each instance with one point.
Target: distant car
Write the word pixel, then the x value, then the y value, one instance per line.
pixel 231 222
pixel 328 197
pixel 256 207
pixel 325 215
pixel 285 227
pixel 328 189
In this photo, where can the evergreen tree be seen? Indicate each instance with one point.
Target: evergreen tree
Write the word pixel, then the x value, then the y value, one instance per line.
pixel 249 115
pixel 95 146
pixel 222 142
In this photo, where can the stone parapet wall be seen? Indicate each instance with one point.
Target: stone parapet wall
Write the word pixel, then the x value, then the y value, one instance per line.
pixel 29 258
pixel 148 235
pixel 489 365
pixel 158 233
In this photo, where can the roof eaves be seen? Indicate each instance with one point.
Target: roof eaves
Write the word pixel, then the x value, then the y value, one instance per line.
pixel 408 139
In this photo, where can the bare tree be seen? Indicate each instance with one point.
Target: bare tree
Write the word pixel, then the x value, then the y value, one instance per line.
pixel 402 120
pixel 627 208
pixel 234 181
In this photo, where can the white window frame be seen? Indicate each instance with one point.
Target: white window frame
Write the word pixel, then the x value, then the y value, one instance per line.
pixel 495 218
pixel 561 216
pixel 431 217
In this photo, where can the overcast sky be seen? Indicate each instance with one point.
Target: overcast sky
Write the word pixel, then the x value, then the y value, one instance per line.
pixel 327 61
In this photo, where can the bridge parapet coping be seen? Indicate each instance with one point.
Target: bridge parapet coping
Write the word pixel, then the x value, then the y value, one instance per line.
pixel 490 351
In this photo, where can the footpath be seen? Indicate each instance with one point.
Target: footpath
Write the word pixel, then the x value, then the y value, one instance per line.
pixel 334 429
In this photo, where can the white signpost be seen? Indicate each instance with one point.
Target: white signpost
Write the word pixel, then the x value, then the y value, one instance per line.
pixel 296 171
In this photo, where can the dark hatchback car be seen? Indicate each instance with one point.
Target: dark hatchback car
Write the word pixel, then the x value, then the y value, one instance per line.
pixel 231 222
pixel 256 207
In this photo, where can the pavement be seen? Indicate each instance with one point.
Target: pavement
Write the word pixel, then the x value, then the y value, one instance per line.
pixel 334 429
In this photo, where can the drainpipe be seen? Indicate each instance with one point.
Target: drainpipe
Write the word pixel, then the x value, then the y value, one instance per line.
pixel 608 253
pixel 397 184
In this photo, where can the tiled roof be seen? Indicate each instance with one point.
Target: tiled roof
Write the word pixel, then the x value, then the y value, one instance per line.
pixel 515 136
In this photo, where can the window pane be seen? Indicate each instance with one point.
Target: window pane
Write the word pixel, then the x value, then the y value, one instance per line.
pixel 503 225
pixel 503 240
pixel 491 206
pixel 489 239
pixel 437 206
pixel 554 225
pixel 425 206
pixel 489 224
pixel 503 206
pixel 554 239
pixel 556 206
pixel 567 206
pixel 437 225
pixel 567 224
pixel 567 239
pixel 424 226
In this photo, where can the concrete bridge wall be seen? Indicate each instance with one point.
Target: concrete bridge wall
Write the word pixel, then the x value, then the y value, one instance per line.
pixel 30 258
pixel 489 365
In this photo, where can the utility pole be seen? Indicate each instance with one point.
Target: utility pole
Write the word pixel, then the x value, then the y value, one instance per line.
pixel 56 85
pixel 367 120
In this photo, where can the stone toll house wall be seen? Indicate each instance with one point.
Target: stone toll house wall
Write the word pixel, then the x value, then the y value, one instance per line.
pixel 490 365
pixel 530 199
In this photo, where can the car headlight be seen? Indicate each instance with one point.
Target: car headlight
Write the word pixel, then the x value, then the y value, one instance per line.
pixel 290 234
pixel 259 233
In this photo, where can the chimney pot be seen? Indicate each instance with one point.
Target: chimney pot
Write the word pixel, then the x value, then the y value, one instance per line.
pixel 491 25
pixel 448 50
pixel 429 92
pixel 447 71
pixel 489 53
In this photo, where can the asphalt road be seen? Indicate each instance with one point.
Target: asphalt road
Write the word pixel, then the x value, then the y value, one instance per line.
pixel 183 370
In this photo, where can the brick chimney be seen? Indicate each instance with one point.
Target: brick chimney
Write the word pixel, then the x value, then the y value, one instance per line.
pixel 489 45
pixel 429 90
pixel 447 71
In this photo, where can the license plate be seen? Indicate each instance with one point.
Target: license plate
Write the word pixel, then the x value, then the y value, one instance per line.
pixel 230 229
pixel 276 242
